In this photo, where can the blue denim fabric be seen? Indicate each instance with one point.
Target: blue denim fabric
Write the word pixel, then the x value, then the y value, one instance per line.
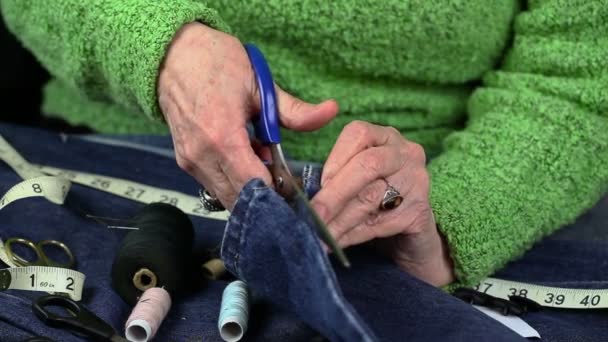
pixel 391 304
pixel 273 248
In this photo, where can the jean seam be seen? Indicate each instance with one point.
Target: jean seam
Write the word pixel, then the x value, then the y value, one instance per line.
pixel 233 255
pixel 243 232
pixel 331 284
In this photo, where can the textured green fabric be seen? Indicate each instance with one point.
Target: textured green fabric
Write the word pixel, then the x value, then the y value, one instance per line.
pixel 512 99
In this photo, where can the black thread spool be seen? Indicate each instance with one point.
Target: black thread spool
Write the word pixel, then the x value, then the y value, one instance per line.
pixel 156 255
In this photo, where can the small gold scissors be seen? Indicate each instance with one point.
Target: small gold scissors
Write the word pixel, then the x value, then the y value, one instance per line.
pixel 41 258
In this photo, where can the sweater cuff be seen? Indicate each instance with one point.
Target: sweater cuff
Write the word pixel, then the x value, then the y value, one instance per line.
pixel 135 48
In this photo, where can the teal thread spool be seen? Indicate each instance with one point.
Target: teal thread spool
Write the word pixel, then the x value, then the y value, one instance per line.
pixel 234 311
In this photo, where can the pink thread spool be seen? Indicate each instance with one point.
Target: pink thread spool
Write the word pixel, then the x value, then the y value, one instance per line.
pixel 147 315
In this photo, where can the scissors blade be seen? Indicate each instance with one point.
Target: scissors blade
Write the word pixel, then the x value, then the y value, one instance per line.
pixel 320 226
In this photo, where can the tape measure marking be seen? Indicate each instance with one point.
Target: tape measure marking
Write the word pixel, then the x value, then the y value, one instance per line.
pixel 54 189
pixel 42 278
pixel 556 297
pixel 137 191
pixel 127 189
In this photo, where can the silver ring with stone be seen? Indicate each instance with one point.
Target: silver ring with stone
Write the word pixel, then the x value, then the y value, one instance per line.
pixel 392 198
pixel 210 202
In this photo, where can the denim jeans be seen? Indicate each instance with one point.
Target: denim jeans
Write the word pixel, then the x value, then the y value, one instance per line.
pixel 298 292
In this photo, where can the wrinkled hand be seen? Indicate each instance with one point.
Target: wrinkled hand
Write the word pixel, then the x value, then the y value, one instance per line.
pixel 207 92
pixel 354 180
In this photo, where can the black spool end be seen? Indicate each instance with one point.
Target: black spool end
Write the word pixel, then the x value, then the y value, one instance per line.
pixel 160 250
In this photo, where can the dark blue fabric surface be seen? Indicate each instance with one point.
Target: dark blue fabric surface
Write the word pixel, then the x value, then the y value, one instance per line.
pixel 193 317
pixel 395 306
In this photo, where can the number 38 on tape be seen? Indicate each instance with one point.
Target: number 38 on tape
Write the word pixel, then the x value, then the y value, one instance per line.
pixel 556 297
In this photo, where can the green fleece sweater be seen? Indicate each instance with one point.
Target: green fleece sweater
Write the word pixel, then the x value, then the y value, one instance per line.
pixel 510 98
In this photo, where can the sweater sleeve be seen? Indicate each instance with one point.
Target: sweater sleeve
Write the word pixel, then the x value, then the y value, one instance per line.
pixel 107 50
pixel 534 153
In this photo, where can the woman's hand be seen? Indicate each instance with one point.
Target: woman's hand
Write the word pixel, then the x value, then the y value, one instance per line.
pixel 363 161
pixel 207 92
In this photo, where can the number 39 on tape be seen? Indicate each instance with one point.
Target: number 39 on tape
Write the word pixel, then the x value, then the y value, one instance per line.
pixel 42 278
pixel 556 297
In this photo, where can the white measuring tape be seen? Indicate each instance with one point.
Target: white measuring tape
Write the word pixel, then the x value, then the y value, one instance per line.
pixel 62 177
pixel 137 192
pixel 40 278
pixel 43 278
pixel 556 297
pixel 53 189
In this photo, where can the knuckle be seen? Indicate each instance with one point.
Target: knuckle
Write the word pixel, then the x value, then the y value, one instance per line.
pixel 372 164
pixel 416 151
pixel 213 139
pixel 371 195
pixel 390 130
pixel 295 104
pixel 184 163
pixel 358 129
pixel 372 220
pixel 232 43
pixel 338 227
pixel 422 177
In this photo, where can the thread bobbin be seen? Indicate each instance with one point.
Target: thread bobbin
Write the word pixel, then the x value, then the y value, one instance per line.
pixel 156 255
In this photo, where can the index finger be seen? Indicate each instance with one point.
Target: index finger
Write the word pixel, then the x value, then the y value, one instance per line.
pixel 241 164
pixel 356 137
pixel 366 167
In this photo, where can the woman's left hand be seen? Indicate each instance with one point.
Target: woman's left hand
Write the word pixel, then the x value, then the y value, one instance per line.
pixel 365 159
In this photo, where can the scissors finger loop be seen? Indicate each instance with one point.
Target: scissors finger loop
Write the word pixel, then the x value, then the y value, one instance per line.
pixel 58 244
pixel 17 259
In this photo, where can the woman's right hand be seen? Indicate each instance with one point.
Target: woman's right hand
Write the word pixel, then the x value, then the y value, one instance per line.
pixel 208 92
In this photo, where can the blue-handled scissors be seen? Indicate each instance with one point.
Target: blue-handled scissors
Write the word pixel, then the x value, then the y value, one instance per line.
pixel 267 130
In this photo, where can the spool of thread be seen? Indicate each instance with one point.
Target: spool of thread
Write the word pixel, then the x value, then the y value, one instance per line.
pixel 148 314
pixel 155 255
pixel 234 311
pixel 214 269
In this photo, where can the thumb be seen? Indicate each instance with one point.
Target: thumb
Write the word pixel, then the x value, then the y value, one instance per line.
pixel 303 116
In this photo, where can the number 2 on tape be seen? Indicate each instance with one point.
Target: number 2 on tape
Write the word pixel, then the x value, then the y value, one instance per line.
pixel 42 278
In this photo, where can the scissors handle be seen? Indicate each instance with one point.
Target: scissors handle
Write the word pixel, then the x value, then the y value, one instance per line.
pixel 49 262
pixel 267 126
pixel 41 258
pixel 82 320
pixel 18 260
